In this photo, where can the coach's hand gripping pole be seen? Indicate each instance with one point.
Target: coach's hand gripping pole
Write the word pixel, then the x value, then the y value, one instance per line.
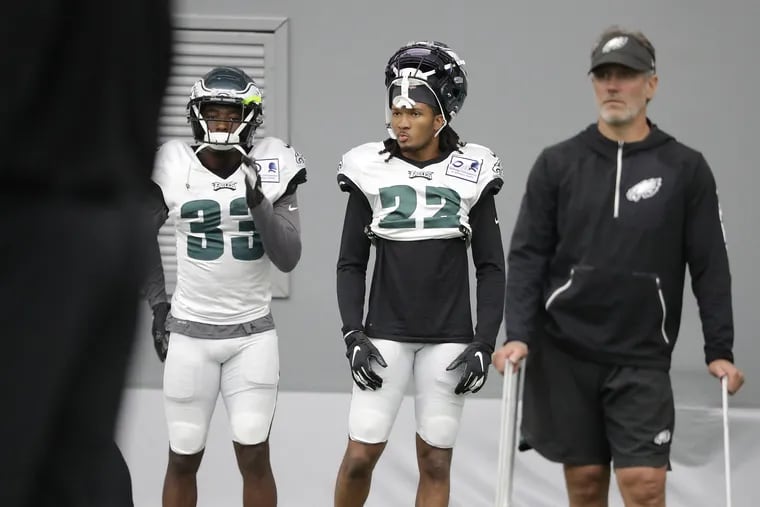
pixel 510 396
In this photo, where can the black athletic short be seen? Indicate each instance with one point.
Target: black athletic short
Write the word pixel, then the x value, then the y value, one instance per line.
pixel 577 412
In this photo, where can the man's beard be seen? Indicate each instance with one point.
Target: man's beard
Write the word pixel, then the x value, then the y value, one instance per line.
pixel 619 118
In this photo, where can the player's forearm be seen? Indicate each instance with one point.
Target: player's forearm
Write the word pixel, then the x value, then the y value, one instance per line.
pixel 154 286
pixel 351 288
pixel 488 256
pixel 353 257
pixel 490 304
pixel 156 213
pixel 280 230
pixel 352 276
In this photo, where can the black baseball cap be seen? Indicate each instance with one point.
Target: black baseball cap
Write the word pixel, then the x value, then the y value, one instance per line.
pixel 622 50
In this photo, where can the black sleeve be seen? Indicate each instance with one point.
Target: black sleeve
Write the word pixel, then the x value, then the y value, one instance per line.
pixel 154 286
pixel 708 264
pixel 279 226
pixel 533 243
pixel 352 261
pixel 488 257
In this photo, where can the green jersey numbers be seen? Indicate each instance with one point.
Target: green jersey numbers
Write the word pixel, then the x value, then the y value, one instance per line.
pixel 446 217
pixel 205 241
pixel 245 248
pixel 403 199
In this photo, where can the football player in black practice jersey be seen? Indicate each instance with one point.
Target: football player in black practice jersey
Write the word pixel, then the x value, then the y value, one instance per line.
pixel 421 198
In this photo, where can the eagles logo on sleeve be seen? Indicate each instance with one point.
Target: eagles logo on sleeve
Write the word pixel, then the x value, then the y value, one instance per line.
pixel 409 203
pixel 496 168
pixel 300 162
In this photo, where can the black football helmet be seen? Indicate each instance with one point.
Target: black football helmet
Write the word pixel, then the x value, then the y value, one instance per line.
pixel 228 86
pixel 434 65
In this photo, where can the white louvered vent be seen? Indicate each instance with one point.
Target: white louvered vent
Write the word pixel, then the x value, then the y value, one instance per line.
pixel 198 51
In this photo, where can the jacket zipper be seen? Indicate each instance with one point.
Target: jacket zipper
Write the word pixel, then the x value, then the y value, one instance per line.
pixel 559 290
pixel 664 309
pixel 618 176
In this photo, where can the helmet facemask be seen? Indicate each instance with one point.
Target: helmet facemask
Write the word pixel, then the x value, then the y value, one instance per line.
pixel 226 86
pixel 411 90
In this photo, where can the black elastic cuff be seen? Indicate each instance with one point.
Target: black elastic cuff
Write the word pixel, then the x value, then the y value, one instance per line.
pixel 486 345
pixel 351 338
pixel 160 304
pixel 523 339
pixel 348 328
pixel 714 354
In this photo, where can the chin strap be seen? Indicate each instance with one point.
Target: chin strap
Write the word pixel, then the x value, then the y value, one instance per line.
pixel 226 147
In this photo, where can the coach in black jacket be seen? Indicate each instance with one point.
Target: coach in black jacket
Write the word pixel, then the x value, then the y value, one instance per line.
pixel 609 220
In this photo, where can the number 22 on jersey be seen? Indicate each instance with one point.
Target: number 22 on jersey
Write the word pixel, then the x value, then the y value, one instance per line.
pixel 404 199
pixel 206 242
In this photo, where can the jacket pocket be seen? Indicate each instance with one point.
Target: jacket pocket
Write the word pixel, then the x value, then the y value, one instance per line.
pixel 610 311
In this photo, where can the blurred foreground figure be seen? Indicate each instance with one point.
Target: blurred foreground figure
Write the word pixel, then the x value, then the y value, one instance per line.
pixel 82 89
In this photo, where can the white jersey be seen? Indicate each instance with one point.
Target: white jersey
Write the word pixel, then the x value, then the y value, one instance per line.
pixel 432 202
pixel 222 268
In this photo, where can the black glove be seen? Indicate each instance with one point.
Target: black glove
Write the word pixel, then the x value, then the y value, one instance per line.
pixel 476 358
pixel 359 353
pixel 160 334
pixel 253 193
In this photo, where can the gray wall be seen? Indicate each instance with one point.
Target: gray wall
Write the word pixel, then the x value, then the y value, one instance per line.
pixel 528 88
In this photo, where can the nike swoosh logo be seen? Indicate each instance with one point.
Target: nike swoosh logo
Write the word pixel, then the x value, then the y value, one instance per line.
pixel 292 208
pixel 353 357
pixel 479 355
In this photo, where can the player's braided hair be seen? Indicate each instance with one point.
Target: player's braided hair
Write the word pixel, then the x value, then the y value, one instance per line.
pixel 448 141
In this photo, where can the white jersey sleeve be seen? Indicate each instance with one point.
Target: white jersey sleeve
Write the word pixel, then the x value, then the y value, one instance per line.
pixel 411 203
pixel 279 166
pixel 223 272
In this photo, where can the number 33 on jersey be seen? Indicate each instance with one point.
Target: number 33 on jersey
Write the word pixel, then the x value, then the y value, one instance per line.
pixel 222 268
pixel 410 203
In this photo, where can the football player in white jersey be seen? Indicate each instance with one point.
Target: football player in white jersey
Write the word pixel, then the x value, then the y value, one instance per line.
pixel 421 198
pixel 233 203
